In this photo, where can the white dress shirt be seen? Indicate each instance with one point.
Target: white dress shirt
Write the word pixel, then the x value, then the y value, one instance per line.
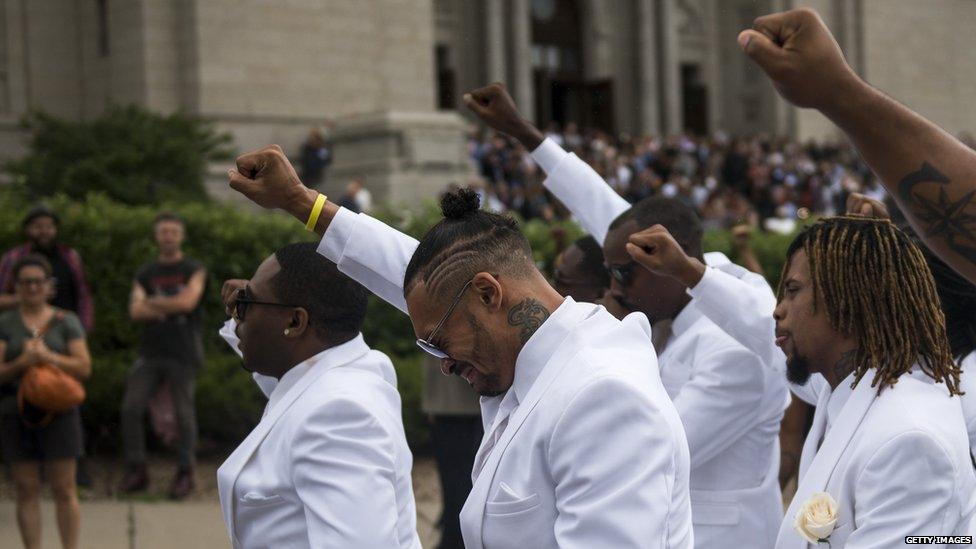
pixel 729 403
pixel 328 464
pixel 587 451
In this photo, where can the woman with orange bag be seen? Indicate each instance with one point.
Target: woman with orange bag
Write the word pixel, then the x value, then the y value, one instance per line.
pixel 32 335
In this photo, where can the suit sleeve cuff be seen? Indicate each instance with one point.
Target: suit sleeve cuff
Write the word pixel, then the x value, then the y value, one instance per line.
pixel 548 155
pixel 340 230
pixel 704 285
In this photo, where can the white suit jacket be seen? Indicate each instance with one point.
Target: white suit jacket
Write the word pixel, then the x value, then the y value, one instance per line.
pixel 867 462
pixel 730 405
pixel 593 454
pixel 897 464
pixel 748 317
pixel 328 465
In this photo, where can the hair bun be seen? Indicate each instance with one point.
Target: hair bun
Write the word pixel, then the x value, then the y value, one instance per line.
pixel 460 203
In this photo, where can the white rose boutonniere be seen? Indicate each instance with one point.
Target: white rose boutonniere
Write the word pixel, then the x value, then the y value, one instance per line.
pixel 817 518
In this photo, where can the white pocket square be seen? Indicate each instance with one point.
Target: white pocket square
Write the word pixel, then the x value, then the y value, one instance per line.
pixel 255 499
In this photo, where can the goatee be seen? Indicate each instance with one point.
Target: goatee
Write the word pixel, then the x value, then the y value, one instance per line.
pixel 798 370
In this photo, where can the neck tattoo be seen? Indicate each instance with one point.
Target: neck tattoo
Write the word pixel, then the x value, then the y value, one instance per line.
pixel 527 315
pixel 844 366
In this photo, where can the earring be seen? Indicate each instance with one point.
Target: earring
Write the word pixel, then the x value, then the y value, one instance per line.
pixel 287 331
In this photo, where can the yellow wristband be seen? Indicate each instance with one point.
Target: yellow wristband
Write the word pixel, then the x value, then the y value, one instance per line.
pixel 313 218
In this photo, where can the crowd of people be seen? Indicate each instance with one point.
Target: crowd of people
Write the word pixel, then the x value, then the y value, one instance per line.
pixel 764 182
pixel 636 400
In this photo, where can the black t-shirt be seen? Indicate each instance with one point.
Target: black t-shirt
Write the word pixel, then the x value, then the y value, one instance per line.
pixel 66 294
pixel 179 337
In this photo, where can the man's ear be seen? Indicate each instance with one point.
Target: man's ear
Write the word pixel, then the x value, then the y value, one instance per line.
pixel 299 322
pixel 487 290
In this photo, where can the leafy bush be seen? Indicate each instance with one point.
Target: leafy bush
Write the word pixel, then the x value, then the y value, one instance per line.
pixel 130 154
pixel 114 239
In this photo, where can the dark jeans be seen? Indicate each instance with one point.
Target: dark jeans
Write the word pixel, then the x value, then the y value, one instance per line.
pixel 144 378
pixel 455 440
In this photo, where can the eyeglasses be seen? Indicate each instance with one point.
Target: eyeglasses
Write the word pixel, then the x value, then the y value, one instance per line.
pixel 425 344
pixel 25 282
pixel 623 274
pixel 242 301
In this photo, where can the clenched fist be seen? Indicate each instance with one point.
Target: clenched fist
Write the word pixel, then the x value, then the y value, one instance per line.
pixel 859 204
pixel 493 105
pixel 267 178
pixel 798 53
pixel 228 294
pixel 656 250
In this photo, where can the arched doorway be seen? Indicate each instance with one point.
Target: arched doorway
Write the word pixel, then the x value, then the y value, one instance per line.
pixel 562 93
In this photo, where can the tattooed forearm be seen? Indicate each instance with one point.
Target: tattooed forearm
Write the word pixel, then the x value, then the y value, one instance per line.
pixel 527 315
pixel 952 221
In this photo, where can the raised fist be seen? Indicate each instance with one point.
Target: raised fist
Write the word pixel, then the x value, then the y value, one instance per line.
pixel 228 294
pixel 656 250
pixel 267 178
pixel 798 53
pixel 493 105
pixel 859 204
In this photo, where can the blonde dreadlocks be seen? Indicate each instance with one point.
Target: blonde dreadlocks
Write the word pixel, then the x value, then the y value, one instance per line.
pixel 876 288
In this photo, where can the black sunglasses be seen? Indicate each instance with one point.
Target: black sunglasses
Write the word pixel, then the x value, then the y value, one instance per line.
pixel 425 344
pixel 242 302
pixel 623 274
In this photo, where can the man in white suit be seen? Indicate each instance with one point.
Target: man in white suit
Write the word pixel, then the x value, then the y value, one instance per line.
pixel 895 458
pixel 730 405
pixel 328 465
pixel 582 446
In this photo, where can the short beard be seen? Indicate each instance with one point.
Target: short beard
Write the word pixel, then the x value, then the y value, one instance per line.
pixel 492 381
pixel 798 370
pixel 44 247
pixel 484 346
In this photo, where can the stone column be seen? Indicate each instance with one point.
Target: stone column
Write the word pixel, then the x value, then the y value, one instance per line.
pixel 494 41
pixel 670 67
pixel 407 158
pixel 647 59
pixel 522 85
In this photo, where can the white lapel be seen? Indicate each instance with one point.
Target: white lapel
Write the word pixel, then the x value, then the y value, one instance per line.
pixel 817 428
pixel 231 468
pixel 822 465
pixel 473 511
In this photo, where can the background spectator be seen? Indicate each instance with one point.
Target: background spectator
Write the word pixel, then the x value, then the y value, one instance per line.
pixel 316 156
pixel 37 333
pixel 166 297
pixel 69 288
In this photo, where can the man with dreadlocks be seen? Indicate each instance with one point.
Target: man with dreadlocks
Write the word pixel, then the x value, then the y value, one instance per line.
pixel 857 313
pixel 582 448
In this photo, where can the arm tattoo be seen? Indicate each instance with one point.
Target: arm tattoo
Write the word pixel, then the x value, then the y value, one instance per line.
pixel 845 365
pixel 950 220
pixel 528 315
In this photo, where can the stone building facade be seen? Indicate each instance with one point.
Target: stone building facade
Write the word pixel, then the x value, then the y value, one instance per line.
pixel 391 73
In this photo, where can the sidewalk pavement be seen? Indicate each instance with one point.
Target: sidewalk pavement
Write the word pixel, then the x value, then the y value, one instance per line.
pixel 194 524
pixel 119 525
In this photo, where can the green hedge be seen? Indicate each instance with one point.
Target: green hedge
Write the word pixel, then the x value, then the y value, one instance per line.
pixel 114 239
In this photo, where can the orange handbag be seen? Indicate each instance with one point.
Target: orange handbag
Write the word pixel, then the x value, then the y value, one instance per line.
pixel 49 388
